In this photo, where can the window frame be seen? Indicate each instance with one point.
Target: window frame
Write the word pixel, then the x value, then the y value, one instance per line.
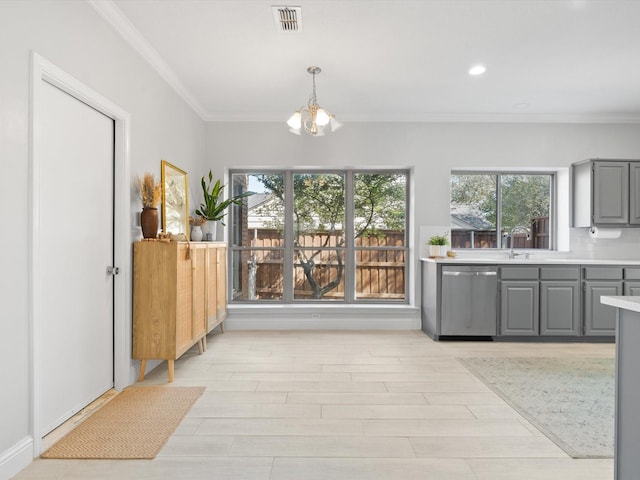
pixel 553 207
pixel 349 248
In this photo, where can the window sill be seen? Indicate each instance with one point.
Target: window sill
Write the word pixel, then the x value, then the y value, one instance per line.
pixel 338 317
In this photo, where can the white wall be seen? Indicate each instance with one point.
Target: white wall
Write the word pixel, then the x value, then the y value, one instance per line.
pixel 73 36
pixel 432 151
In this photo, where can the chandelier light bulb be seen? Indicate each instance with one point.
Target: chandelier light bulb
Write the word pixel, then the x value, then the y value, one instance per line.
pixel 335 123
pixel 322 118
pixel 295 121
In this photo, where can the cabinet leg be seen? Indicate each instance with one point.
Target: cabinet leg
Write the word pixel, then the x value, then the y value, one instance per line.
pixel 170 365
pixel 222 327
pixel 200 347
pixel 143 367
pixel 204 343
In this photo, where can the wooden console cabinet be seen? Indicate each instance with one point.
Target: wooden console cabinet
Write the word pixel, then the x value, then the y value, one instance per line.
pixel 179 295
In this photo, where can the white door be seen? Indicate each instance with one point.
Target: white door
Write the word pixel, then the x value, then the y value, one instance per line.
pixel 74 229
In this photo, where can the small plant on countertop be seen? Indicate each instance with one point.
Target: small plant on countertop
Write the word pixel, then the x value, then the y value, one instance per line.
pixel 439 240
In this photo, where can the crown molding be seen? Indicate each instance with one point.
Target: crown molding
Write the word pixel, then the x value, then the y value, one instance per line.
pixel 444 118
pixel 114 16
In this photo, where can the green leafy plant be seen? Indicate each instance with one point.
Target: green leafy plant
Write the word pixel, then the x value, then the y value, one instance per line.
pixel 213 208
pixel 439 240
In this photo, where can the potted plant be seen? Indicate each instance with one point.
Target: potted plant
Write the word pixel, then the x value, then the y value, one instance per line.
pixel 438 245
pixel 214 208
pixel 150 193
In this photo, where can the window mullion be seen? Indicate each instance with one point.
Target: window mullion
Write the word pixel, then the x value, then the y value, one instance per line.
pixel 499 237
pixel 350 257
pixel 288 261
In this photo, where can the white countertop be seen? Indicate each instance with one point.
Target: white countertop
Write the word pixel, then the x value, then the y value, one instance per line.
pixel 533 260
pixel 628 303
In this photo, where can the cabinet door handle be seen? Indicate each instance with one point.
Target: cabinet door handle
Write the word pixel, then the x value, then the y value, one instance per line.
pixel 469 274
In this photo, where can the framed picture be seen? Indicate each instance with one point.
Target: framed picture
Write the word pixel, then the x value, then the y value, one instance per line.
pixel 175 199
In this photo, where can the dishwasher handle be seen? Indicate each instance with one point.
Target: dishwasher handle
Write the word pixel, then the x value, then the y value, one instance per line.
pixel 469 274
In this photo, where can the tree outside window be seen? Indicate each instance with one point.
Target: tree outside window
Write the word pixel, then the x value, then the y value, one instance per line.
pixel 347 232
pixel 486 208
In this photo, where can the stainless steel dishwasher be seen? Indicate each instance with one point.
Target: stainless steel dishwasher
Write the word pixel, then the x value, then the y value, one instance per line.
pixel 469 300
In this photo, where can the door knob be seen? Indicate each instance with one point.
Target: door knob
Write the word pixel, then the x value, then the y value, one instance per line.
pixel 113 271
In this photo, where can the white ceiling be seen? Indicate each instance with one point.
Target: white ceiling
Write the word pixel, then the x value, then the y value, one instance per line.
pixel 395 60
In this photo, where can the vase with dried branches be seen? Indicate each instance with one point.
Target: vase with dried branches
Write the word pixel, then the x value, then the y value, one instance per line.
pixel 150 193
pixel 196 227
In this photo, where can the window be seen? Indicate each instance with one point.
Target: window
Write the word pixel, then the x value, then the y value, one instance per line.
pixel 502 210
pixel 322 236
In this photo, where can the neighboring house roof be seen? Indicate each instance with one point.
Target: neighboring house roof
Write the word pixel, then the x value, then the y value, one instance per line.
pixel 468 217
pixel 258 199
pixel 259 210
pixel 469 222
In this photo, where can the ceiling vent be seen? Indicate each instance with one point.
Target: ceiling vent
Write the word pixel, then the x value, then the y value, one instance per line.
pixel 288 19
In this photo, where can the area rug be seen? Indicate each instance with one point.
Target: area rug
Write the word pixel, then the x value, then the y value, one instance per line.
pixel 571 400
pixel 135 424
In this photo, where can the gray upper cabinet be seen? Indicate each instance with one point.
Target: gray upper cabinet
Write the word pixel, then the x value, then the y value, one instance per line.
pixel 634 193
pixel 610 193
pixel 605 193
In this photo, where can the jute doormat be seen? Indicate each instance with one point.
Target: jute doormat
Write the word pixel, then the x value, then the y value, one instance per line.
pixel 135 424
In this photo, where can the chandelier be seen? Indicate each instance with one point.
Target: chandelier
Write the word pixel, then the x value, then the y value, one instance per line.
pixel 313 118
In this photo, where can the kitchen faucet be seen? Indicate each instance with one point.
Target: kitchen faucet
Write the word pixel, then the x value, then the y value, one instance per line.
pixel 518 229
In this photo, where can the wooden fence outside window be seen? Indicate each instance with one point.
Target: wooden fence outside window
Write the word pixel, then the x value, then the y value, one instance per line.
pixel 380 273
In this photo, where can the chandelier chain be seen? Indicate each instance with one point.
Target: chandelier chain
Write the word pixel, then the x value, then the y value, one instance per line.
pixel 313 99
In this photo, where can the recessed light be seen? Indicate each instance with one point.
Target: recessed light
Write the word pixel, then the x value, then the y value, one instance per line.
pixel 477 70
pixel 521 106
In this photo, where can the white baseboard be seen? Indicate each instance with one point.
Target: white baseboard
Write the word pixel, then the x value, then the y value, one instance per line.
pixel 16 458
pixel 313 317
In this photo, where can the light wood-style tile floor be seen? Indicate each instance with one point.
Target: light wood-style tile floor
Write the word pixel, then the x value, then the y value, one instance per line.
pixel 300 405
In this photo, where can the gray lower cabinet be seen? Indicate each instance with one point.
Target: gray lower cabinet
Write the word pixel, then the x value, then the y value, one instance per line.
pixel 542 300
pixel 534 300
pixel 632 275
pixel 632 289
pixel 560 300
pixel 560 308
pixel 599 319
pixel 519 301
